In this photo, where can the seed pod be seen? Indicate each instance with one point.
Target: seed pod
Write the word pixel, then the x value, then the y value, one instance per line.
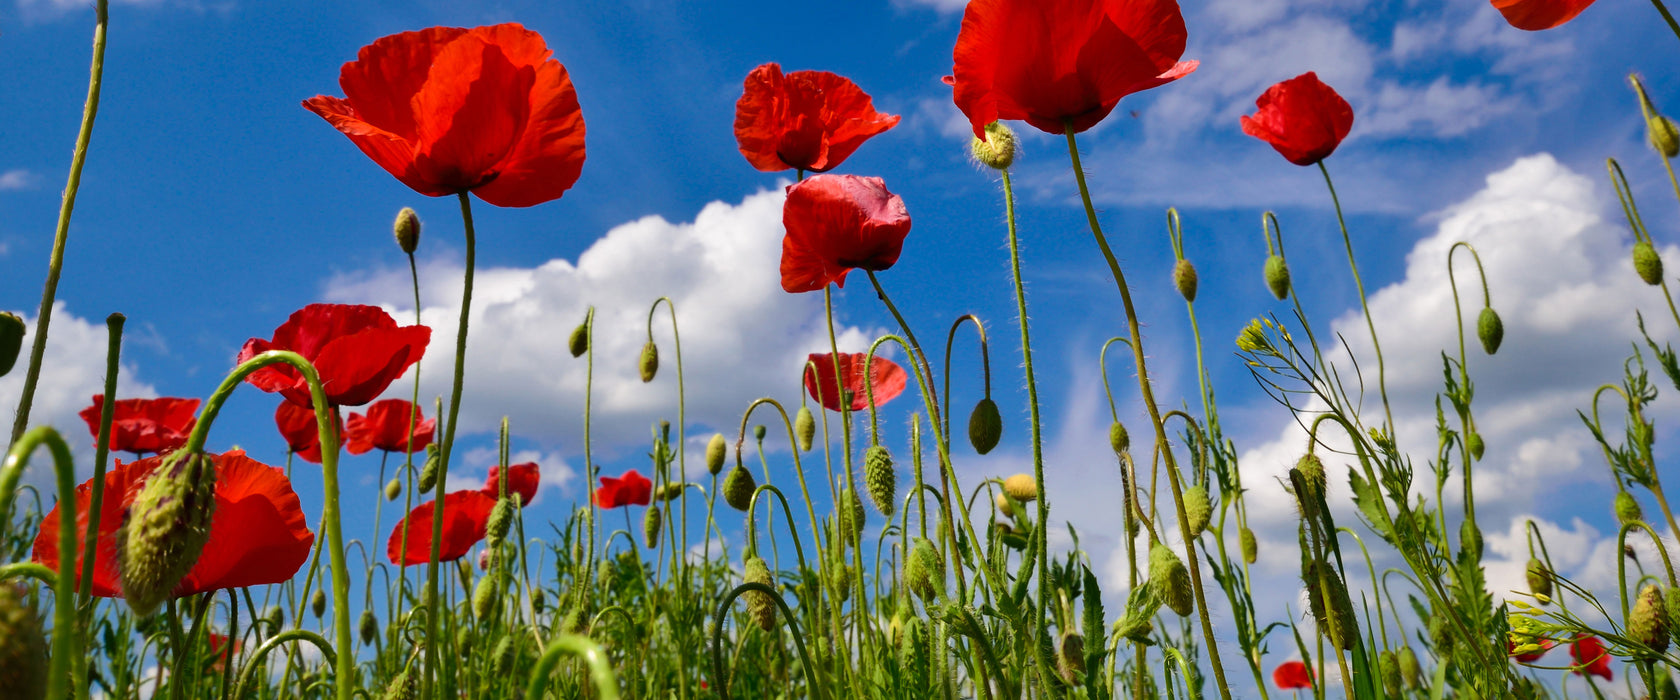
pixel 1313 475
pixel 539 600
pixel 578 342
pixel 429 471
pixel 501 518
pixel 672 491
pixel 649 364
pixel 1410 671
pixel 651 521
pixel 997 150
pixel 1490 330
pixel 23 648
pixel 501 658
pixel 1171 580
pixel 804 428
pixel 738 488
pixel 851 516
pixel 318 603
pixel 1070 655
pixel 407 230
pixel 1197 510
pixel 275 619
pixel 759 605
pixel 759 432
pixel 924 571
pixel 1184 279
pixel 12 331
pixel 1277 276
pixel 880 479
pixel 1336 623
pixel 393 489
pixel 368 627
pixel 1118 438
pixel 486 595
pixel 1021 487
pixel 1627 508
pixel 985 426
pixel 1539 578
pixel 1648 622
pixel 716 451
pixel 1476 444
pixel 1388 668
pixel 402 687
pixel 1647 263
pixel 1250 547
pixel 166 529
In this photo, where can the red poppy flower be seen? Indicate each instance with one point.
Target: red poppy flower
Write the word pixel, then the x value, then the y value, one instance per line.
pixel 1051 63
pixel 357 350
pixel 1535 15
pixel 145 425
pixel 446 110
pixel 302 433
pixel 465 514
pixel 1590 657
pixel 1302 118
pixel 522 480
pixel 886 376
pixel 258 534
pixel 385 427
pixel 836 223
pixel 807 119
pixel 632 489
pixel 220 652
pixel 1530 657
pixel 1292 675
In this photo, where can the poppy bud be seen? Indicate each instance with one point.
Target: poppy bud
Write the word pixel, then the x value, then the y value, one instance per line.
pixel 318 603
pixel 1070 655
pixel 1277 276
pixel 539 601
pixel 649 364
pixel 880 479
pixel 578 342
pixel 759 432
pixel 842 581
pixel 1470 538
pixel 369 627
pixel 1648 622
pixel 407 230
pixel 1171 580
pixel 650 527
pixel 12 331
pixel 1646 262
pixel 1627 508
pixel 1197 510
pixel 501 518
pixel 759 605
pixel 997 150
pixel 1250 547
pixel 429 471
pixel 804 428
pixel 1118 438
pixel 738 488
pixel 1312 474
pixel 501 658
pixel 1388 668
pixel 985 426
pixel 1337 622
pixel 1490 330
pixel 924 571
pixel 1021 487
pixel 672 491
pixel 1005 505
pixel 486 595
pixel 851 515
pixel 1539 578
pixel 1184 279
pixel 1659 130
pixel 393 489
pixel 275 619
pixel 716 451
pixel 1410 671
pixel 464 639
pixel 402 687
pixel 166 529
pixel 23 648
pixel 1477 445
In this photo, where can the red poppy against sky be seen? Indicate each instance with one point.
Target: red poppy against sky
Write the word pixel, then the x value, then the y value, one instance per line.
pixel 300 430
pixel 145 425
pixel 1589 657
pixel 447 110
pixel 1530 657
pixel 1292 675
pixel 522 480
pixel 837 223
pixel 385 427
pixel 808 119
pixel 1052 63
pixel 1302 118
pixel 357 350
pixel 258 534
pixel 632 489
pixel 886 376
pixel 465 514
pixel 1535 15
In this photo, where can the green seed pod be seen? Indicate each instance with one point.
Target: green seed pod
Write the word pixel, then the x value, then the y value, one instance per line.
pixel 1184 279
pixel 578 342
pixel 985 426
pixel 275 619
pixel 804 428
pixel 1070 656
pixel 880 479
pixel 464 639
pixel 429 471
pixel 1627 508
pixel 1197 510
pixel 1476 444
pixel 738 488
pixel 1388 668
pixel 501 658
pixel 486 594
pixel 1470 539
pixel 1021 487
pixel 1490 330
pixel 924 571
pixel 759 605
pixel 1337 623
pixel 1410 671
pixel 1440 634
pixel 1647 263
pixel 1312 474
pixel 1539 578
pixel 368 628
pixel 997 150
pixel 1664 136
pixel 759 431
pixel 651 522
pixel 539 601
pixel 1277 276
pixel 716 451
pixel 1250 547
pixel 672 491
pixel 23 648
pixel 501 519
pixel 851 516
pixel 1118 438
pixel 649 364
pixel 407 230
pixel 12 331
pixel 318 603
pixel 402 687
pixel 1171 579
pixel 393 489
pixel 166 529
pixel 1648 622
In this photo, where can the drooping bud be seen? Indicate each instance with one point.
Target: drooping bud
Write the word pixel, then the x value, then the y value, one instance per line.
pixel 1118 438
pixel 985 426
pixel 275 619
pixel 402 687
pixel 1021 487
pixel 672 491
pixel 368 627
pixel 1336 621
pixel 1659 130
pixel 997 150
pixel 318 603
pixel 1197 510
pixel 804 428
pixel 393 489
pixel 649 364
pixel 1250 547
pixel 1277 276
pixel 1648 622
pixel 1539 578
pixel 716 451
pixel 1410 671
pixel 1312 474
pixel 738 488
pixel 1490 330
pixel 651 522
pixel 924 571
pixel 501 518
pixel 578 342
pixel 23 648
pixel 429 471
pixel 880 479
pixel 539 600
pixel 12 331
pixel 407 230
pixel 501 658
pixel 851 516
pixel 759 605
pixel 1184 279
pixel 1070 655
pixel 759 431
pixel 1647 263
pixel 1477 445
pixel 486 595
pixel 1388 668
pixel 1627 508
pixel 166 529
pixel 1171 580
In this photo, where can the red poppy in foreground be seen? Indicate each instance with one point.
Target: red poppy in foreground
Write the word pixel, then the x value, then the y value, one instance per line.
pixel 522 481
pixel 447 110
pixel 145 425
pixel 258 534
pixel 836 223
pixel 465 514
pixel 357 350
pixel 1535 15
pixel 1590 658
pixel 1530 657
pixel 385 427
pixel 302 433
pixel 1302 118
pixel 1071 61
pixel 885 376
pixel 632 489
pixel 1292 675
pixel 808 119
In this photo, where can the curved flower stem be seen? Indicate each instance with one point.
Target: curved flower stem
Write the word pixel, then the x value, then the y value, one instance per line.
pixel 29 569
pixel 1154 414
pixel 1636 223
pixel 846 452
pixel 55 263
pixel 752 523
pixel 682 442
pixel 798 468
pixel 721 678
pixel 1370 323
pixel 262 650
pixel 600 673
pixel 985 362
pixel 1463 365
pixel 1621 562
pixel 65 640
pixel 408 456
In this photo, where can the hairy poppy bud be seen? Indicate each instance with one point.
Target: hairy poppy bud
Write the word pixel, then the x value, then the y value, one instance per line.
pixel 12 331
pixel 318 603
pixel 649 364
pixel 851 515
pixel 539 600
pixel 1647 263
pixel 651 521
pixel 1410 671
pixel 501 658
pixel 880 479
pixel 1021 487
pixel 1184 279
pixel 738 488
pixel 1490 330
pixel 1250 547
pixel 759 605
pixel 1070 655
pixel 1335 621
pixel 1388 668
pixel 429 470
pixel 804 428
pixel 578 342
pixel 924 571
pixel 275 619
pixel 393 489
pixel 1171 580
pixel 1277 276
pixel 369 627
pixel 997 150
pixel 403 687
pixel 464 639
pixel 843 581
pixel 501 518
pixel 1665 137
pixel 716 451
pixel 1477 445
pixel 486 595
pixel 1648 622
pixel 407 230
pixel 1539 578
pixel 1312 474
pixel 1627 508
pixel 1118 438
pixel 672 491
pixel 1197 510
pixel 166 529
pixel 985 426
pixel 23 648
pixel 1005 505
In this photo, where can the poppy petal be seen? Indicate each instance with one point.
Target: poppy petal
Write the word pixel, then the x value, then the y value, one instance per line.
pixel 1537 15
pixel 885 376
pixel 523 480
pixel 258 534
pixel 465 515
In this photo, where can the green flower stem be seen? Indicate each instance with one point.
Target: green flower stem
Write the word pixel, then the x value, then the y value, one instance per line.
pixel 262 650
pixel 408 456
pixel 65 640
pixel 29 569
pixel 1463 366
pixel 1154 415
pixel 1636 223
pixel 1669 18
pixel 846 451
pixel 600 672
pixel 1370 323
pixel 720 678
pixel 682 430
pixel 985 362
pixel 1382 624
pixel 55 264
pixel 798 468
pixel 752 524
pixel 1621 562
pixel 102 452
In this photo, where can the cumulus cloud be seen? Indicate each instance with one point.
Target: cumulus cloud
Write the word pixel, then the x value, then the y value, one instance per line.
pixel 17 179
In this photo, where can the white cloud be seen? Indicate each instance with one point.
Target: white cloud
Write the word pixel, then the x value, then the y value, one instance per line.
pixel 1441 108
pixel 41 10
pixel 17 179
pixel 941 6
pixel 474 468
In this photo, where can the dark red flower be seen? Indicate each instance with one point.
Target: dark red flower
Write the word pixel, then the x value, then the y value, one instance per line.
pixel 220 652
pixel 1292 675
pixel 258 534
pixel 1050 63
pixel 385 427
pixel 632 489
pixel 447 110
pixel 885 375
pixel 145 425
pixel 1535 15
pixel 1530 657
pixel 1590 657
pixel 357 350
pixel 522 480
pixel 465 514
pixel 302 433
pixel 836 223
pixel 1302 118
pixel 807 119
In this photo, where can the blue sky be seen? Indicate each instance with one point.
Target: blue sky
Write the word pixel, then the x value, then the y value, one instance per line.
pixel 213 205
